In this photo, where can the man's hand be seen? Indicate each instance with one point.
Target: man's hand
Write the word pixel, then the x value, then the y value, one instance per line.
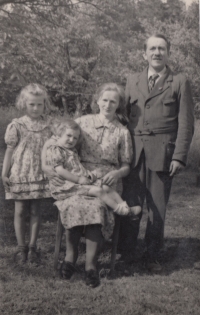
pixel 175 167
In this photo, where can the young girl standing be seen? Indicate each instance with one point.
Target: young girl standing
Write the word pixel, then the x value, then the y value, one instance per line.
pixel 22 175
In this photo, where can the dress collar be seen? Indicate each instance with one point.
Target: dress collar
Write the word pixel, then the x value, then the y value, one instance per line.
pixel 99 124
pixel 32 124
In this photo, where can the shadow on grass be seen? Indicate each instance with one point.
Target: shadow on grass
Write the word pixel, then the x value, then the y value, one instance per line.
pixel 178 254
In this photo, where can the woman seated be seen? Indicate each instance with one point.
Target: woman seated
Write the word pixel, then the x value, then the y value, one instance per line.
pixel 105 154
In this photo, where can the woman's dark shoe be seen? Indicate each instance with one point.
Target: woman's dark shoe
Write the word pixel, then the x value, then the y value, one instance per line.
pixel 67 270
pixel 92 278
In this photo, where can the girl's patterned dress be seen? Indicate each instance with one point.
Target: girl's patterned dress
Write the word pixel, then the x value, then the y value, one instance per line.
pixel 59 155
pixel 103 149
pixel 27 137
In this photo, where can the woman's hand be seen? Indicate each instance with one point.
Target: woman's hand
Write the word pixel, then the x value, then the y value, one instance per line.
pixel 110 178
pixel 84 180
pixel 6 182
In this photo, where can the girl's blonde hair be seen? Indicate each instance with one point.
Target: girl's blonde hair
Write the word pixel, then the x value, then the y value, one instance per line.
pixel 121 110
pixel 36 90
pixel 65 124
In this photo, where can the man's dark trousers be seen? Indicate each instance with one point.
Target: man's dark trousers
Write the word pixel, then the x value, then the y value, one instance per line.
pixel 155 187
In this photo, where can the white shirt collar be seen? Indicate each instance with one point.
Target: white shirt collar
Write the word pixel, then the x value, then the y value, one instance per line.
pixel 161 73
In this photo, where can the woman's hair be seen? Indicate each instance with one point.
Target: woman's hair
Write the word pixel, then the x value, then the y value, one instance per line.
pixel 121 110
pixel 36 90
pixel 63 125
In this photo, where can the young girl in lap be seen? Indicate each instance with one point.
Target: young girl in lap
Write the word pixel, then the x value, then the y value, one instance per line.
pixel 62 156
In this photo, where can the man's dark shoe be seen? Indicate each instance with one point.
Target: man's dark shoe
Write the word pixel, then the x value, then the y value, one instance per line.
pixel 153 266
pixel 197 265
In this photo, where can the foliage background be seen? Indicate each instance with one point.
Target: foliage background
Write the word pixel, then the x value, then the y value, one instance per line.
pixel 72 46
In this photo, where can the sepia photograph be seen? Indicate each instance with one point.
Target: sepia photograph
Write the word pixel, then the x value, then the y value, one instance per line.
pixel 100 157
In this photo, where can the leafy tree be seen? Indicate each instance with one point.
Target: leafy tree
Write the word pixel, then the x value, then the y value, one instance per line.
pixel 71 47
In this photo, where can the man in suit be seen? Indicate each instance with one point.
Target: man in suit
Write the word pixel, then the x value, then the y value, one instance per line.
pixel 160 109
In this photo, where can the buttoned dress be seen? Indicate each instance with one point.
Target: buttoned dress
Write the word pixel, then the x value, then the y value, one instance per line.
pixel 27 137
pixel 103 149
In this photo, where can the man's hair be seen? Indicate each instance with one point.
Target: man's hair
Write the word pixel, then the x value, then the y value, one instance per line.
pixel 158 36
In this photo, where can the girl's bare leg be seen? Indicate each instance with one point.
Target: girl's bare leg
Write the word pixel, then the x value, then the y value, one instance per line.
pixel 19 221
pixel 108 195
pixel 72 240
pixel 93 237
pixel 35 220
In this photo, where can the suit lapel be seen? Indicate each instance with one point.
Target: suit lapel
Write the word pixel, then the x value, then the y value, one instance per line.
pixel 161 85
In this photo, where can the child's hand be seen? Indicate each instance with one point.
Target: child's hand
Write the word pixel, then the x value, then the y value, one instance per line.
pixel 84 180
pixel 6 182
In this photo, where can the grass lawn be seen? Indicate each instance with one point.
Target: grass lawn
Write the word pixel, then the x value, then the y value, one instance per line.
pixel 134 291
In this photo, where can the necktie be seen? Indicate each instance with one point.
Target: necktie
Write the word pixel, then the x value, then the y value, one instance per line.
pixel 152 81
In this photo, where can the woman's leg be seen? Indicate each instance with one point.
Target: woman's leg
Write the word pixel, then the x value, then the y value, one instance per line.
pixel 93 237
pixel 19 221
pixel 35 220
pixel 72 240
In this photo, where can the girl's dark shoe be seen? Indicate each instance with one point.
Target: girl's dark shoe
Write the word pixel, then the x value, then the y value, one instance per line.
pixel 67 270
pixel 33 256
pixel 21 254
pixel 92 278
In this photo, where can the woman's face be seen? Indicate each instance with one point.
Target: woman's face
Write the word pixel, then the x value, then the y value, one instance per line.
pixel 108 104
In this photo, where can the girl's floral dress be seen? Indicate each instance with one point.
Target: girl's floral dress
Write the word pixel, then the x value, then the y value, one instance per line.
pixel 59 155
pixel 103 149
pixel 27 137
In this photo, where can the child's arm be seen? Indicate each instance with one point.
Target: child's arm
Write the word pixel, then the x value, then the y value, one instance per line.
pixel 6 166
pixel 82 180
pixel 110 178
pixel 47 169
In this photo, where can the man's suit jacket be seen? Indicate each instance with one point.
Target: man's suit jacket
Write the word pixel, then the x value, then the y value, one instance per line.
pixel 161 122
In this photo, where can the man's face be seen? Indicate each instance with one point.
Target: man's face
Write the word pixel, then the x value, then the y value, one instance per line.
pixel 156 53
